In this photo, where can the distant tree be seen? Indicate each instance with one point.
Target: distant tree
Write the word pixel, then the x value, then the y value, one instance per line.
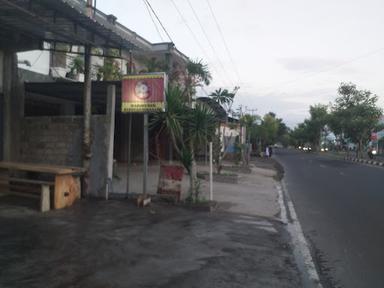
pixel 282 133
pixel 300 134
pixel 318 119
pixel 355 114
pixel 223 97
pixel 221 141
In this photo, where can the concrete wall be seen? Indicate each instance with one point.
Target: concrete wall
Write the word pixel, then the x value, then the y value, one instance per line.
pixel 58 140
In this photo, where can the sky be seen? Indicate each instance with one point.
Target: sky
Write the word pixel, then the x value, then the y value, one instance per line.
pixel 284 54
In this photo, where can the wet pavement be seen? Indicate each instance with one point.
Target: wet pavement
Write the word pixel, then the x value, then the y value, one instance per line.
pixel 103 244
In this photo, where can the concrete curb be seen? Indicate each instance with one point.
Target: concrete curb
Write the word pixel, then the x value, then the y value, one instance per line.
pixel 364 161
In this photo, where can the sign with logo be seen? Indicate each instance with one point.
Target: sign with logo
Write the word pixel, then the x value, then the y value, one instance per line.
pixel 143 93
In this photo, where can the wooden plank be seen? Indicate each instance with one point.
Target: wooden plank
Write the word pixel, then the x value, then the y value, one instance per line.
pixel 31 181
pixel 20 188
pixel 28 195
pixel 42 168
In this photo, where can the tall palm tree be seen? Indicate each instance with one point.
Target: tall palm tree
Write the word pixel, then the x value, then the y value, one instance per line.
pixel 197 74
pixel 223 97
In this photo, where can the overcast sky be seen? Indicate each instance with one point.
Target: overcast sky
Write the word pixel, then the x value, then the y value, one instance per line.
pixel 284 54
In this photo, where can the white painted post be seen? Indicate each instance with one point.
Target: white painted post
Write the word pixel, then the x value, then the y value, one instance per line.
pixel 111 100
pixel 210 173
pixel 45 201
pixel 145 155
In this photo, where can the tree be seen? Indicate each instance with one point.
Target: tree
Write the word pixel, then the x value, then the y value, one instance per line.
pixel 316 123
pixel 224 98
pixel 248 121
pixel 355 114
pixel 269 128
pixel 195 124
pixel 110 70
pixel 186 128
pixel 76 66
pixel 197 74
pixel 282 133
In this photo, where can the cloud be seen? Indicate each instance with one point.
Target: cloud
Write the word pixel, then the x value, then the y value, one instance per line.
pixel 310 64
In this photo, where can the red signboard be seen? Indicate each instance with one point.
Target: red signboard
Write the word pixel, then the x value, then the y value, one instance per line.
pixel 143 93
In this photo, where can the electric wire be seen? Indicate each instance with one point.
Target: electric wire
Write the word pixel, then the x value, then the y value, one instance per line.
pixel 158 19
pixel 223 39
pixel 37 58
pixel 190 30
pixel 153 20
pixel 209 41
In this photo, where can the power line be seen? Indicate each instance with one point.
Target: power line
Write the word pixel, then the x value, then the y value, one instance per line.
pixel 162 26
pixel 209 41
pixel 153 20
pixel 37 59
pixel 190 30
pixel 223 39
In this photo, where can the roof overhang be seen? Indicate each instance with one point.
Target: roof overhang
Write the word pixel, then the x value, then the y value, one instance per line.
pixel 27 24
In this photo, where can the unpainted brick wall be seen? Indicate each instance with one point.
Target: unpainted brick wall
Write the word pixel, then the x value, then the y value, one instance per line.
pixel 51 140
pixel 58 141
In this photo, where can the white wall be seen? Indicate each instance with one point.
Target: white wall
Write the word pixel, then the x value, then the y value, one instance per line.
pixel 39 61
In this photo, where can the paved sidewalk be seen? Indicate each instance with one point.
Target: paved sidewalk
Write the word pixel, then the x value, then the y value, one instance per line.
pixel 112 243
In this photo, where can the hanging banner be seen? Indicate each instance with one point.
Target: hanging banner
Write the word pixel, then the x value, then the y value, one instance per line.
pixel 143 93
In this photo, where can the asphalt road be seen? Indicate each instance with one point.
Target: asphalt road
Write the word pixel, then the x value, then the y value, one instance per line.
pixel 340 207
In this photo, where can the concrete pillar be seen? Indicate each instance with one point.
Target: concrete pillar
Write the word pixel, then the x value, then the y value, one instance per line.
pixel 87 112
pixel 111 105
pixel 11 106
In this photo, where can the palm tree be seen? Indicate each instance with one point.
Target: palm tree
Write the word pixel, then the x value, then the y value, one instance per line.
pixel 197 74
pixel 223 97
pixel 187 128
pixel 171 121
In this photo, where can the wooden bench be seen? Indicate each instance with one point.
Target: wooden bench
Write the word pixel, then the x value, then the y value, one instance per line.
pixel 29 188
pixel 63 182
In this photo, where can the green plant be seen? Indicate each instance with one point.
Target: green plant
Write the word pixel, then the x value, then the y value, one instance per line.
pixel 76 66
